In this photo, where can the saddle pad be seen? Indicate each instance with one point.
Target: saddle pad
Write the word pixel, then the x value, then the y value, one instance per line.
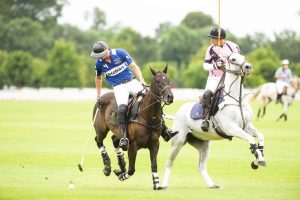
pixel 197 111
pixel 133 109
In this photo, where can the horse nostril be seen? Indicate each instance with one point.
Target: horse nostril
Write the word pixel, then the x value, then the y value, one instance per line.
pixel 170 98
pixel 248 66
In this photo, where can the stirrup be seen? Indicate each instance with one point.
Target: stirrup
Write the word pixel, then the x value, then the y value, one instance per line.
pixel 205 125
pixel 124 143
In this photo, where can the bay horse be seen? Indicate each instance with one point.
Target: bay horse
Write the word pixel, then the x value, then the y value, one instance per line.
pixel 143 130
pixel 267 92
pixel 233 119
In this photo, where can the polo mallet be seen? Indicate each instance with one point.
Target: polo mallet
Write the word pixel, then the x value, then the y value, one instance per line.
pixel 87 142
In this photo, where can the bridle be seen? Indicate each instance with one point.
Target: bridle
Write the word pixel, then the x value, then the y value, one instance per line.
pixel 238 73
pixel 158 99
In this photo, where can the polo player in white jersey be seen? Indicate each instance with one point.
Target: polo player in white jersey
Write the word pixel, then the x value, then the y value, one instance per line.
pixel 283 77
pixel 215 61
pixel 115 63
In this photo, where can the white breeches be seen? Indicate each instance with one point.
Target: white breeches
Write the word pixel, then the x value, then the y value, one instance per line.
pixel 212 83
pixel 280 85
pixel 122 91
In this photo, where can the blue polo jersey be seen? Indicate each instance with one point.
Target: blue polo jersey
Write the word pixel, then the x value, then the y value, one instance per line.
pixel 118 69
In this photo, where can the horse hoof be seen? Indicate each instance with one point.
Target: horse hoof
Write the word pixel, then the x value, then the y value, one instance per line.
pixel 262 163
pixel 117 172
pixel 159 188
pixel 216 187
pixel 106 172
pixel 254 165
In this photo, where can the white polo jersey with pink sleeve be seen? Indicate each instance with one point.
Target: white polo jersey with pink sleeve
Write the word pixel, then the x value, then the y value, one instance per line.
pixel 223 52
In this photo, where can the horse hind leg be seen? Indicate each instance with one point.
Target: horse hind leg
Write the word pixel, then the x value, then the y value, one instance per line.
pixel 203 149
pixel 264 112
pixel 105 157
pixel 121 173
pixel 258 114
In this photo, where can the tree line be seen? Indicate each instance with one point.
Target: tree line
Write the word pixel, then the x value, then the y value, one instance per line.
pixel 37 51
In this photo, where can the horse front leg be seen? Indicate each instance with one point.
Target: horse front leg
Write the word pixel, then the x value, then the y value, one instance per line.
pixel 177 144
pixel 236 131
pixel 104 155
pixel 120 155
pixel 261 139
pixel 153 157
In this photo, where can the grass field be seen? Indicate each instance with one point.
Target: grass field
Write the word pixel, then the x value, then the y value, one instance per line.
pixel 42 142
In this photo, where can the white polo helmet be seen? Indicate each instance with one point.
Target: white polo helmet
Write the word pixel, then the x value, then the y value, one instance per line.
pixel 285 62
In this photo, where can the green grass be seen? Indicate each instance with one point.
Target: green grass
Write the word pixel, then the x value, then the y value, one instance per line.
pixel 42 142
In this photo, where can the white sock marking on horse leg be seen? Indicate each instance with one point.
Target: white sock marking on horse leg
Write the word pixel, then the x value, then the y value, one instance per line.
pixel 155 179
pixel 166 177
pixel 117 150
pixel 207 178
pixel 102 149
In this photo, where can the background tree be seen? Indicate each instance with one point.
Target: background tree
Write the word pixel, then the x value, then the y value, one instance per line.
pixel 251 42
pixel 44 11
pixel 265 62
pixel 3 74
pixel 18 69
pixel 195 76
pixel 161 29
pixel 197 20
pixel 159 66
pixel 63 65
pixel 178 45
pixel 142 49
pixel 26 35
pixel 99 19
pixel 287 45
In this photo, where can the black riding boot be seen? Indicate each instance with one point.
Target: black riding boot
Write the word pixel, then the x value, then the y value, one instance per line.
pixel 206 101
pixel 167 133
pixel 122 114
pixel 278 99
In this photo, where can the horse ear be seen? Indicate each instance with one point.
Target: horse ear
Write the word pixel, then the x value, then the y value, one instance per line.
pixel 153 71
pixel 165 69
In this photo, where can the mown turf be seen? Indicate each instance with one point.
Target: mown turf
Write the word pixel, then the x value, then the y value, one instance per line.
pixel 42 142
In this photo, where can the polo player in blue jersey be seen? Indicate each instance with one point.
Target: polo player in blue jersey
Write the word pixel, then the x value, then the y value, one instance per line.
pixel 117 65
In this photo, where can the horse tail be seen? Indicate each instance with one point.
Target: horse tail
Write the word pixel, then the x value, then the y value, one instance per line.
pixel 257 92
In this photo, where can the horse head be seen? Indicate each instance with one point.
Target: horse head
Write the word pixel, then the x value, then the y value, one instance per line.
pixel 161 87
pixel 295 82
pixel 238 63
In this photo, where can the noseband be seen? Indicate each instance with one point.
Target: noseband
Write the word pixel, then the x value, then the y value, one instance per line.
pixel 159 97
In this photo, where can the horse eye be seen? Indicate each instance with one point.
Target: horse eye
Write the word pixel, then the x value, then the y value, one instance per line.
pixel 233 59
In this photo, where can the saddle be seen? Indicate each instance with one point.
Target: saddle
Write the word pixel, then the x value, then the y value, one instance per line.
pixel 197 110
pixel 133 108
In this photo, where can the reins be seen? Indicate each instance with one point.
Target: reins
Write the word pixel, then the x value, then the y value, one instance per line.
pixel 158 99
pixel 238 73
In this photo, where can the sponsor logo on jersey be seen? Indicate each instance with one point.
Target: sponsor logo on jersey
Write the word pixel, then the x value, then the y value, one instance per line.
pixel 117 61
pixel 116 70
